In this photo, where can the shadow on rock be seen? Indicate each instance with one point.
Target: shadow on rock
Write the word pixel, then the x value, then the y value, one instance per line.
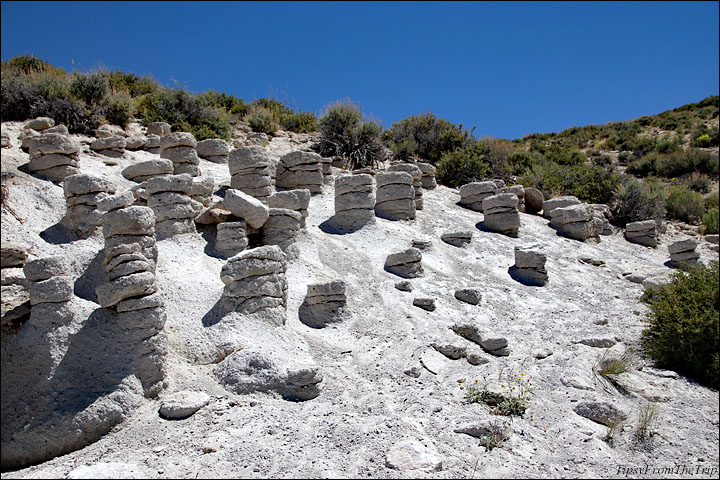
pixel 330 226
pixel 93 276
pixel 516 275
pixel 58 234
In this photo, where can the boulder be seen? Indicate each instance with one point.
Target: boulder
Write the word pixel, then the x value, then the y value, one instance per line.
pixel 13 255
pixel 181 405
pixel 159 129
pixel 469 295
pixel 244 206
pixel 473 194
pixel 281 227
pixel 231 238
pixel 558 202
pixel 600 412
pixel 457 239
pixel 534 200
pixel 529 265
pixel 501 213
pixel 214 149
pixel 141 171
pixel 428 175
pixel 643 233
pixel 354 201
pixel 297 200
pixel 324 303
pixel 300 170
pixel 405 264
pixel 39 124
pixel 425 303
pixel 395 196
pixel 411 455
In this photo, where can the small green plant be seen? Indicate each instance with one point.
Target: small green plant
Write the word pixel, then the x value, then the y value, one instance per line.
pixel 616 365
pixel 684 204
pixel 683 325
pixel 425 136
pixel 513 398
pixel 91 88
pixel 703 141
pixel 495 437
pixel 261 120
pixel 710 221
pixel 647 418
pixel 636 200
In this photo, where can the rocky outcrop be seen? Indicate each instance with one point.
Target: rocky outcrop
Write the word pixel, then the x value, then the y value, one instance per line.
pixel 251 171
pixel 428 175
pixel 296 200
pixel 53 156
pixel 202 190
pixel 529 265
pixel 152 143
pixel 395 196
pixel 15 287
pixel 473 194
pixel 501 213
pixel 141 171
pixel 417 175
pixel 112 146
pixel 158 128
pixel 575 221
pixel 255 280
pixel 354 201
pixel 405 264
pixel 169 198
pixel 82 193
pixel 519 191
pixel 682 253
pixel 214 150
pixel 324 303
pixel 179 148
pixel 643 233
pixel 281 228
pixel 231 238
pixel 300 170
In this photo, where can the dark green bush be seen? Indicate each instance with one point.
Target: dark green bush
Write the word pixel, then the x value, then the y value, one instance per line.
pixel 344 132
pixel 426 137
pixel 684 204
pixel 683 331
pixel 232 104
pixel 118 109
pixel 91 88
pixel 68 112
pixel 636 200
pixel 28 65
pixel 624 158
pixel 567 157
pixel 262 120
pixel 590 183
pixel 519 162
pixel 134 85
pixel 668 146
pixel 644 166
pixel 464 166
pixel 681 163
pixel 698 182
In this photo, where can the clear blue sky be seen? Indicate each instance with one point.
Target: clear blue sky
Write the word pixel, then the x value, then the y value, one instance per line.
pixel 510 68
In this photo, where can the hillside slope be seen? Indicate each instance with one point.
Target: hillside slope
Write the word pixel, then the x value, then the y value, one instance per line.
pixel 368 404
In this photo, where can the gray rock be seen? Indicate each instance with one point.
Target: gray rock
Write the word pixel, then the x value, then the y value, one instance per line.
pixel 529 265
pixel 473 194
pixel 643 233
pixel 681 246
pixel 474 358
pixel 52 290
pixel 421 244
pixel 457 239
pixel 713 238
pixel 176 139
pixel 107 131
pixel 300 170
pixel 263 260
pixel 247 207
pixel 4 139
pixel 297 200
pixel 12 255
pixel 231 238
pixel 183 404
pixel 82 184
pixel 135 142
pixel 158 128
pixel 134 220
pixel 469 295
pixel 495 343
pixel 600 412
pixel 115 202
pixel 115 142
pixel 406 264
pixel 281 227
pixel 324 303
pixel 61 129
pixel 45 144
pixel 558 202
pixel 134 285
pixel 425 303
pixel 404 286
pixel 395 196
pixel 468 331
pixel 428 175
pixel 40 123
pixel 181 154
pixel 213 147
pixel 142 171
pixel 598 342
pixel 132 304
pixel 15 302
pixel 453 352
pixel 44 268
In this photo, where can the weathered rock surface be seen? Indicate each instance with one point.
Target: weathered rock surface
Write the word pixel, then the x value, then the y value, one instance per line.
pixel 296 200
pixel 300 170
pixel 410 455
pixel 141 171
pixel 428 175
pixel 417 175
pixel 281 227
pixel 558 202
pixel 231 238
pixel 469 295
pixel 682 253
pixel 251 171
pixel 181 405
pixel 457 239
pixel 529 265
pixel 473 194
pixel 600 412
pixel 534 200
pixel 39 124
pixel 575 221
pixel 643 233
pixel 354 201
pixel 501 214
pixel 323 304
pixel 395 196
pixel 53 156
pixel 405 264
pixel 425 303
pixel 82 194
pixel 215 150
pixel 159 129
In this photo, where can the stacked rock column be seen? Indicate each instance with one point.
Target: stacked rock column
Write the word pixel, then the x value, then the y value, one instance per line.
pixel 251 171
pixel 214 150
pixel 131 292
pixel 354 201
pixel 530 265
pixel 112 146
pixel 53 156
pixel 297 200
pixel 281 228
pixel 50 290
pixel 501 213
pixel 395 196
pixel 473 194
pixel 82 192
pixel 300 170
pixel 417 175
pixel 682 253
pixel 255 280
pixel 519 191
pixel 575 221
pixel 428 175
pixel 168 196
pixel 642 233
pixel 179 147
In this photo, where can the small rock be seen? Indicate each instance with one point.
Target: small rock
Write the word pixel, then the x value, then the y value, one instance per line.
pixel 468 295
pixel 425 303
pixel 404 286
pixel 13 255
pixel 600 412
pixel 457 239
pixel 453 352
pixel 183 404
pixel 412 455
pixel 598 342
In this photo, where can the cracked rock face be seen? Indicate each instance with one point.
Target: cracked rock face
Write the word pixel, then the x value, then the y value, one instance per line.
pixel 395 196
pixel 501 214
pixel 473 194
pixel 82 194
pixel 575 221
pixel 300 170
pixel 251 171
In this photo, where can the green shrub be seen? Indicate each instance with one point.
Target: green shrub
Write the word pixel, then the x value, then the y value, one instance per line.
pixel 520 162
pixel 132 84
pixel 710 220
pixel 303 122
pixel 118 108
pixel 681 163
pixel 684 204
pixel 636 200
pixel 565 156
pixel 698 182
pixel 28 65
pixel 590 183
pixel 683 331
pixel 667 146
pixel 262 120
pixel 91 88
pixel 625 158
pixel 425 136
pixel 703 140
pixel 232 104
pixel 344 132
pixel 464 166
